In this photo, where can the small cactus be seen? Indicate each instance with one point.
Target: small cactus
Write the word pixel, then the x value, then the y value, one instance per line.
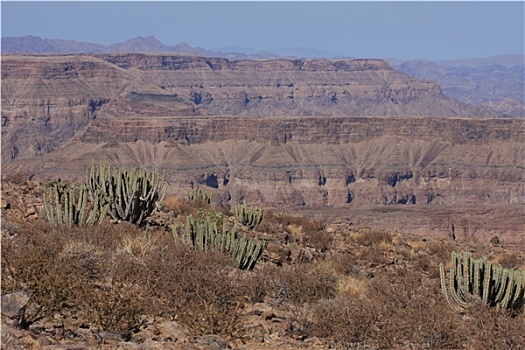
pixel 62 207
pixel 249 216
pixel 204 235
pixel 199 196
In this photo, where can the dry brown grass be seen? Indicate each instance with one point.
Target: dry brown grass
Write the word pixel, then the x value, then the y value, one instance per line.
pixel 372 289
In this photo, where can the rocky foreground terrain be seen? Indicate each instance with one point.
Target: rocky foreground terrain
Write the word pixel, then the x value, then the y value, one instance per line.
pixel 318 285
pixel 354 137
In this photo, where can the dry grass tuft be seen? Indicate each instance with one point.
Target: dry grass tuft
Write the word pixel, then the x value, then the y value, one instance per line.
pixel 349 286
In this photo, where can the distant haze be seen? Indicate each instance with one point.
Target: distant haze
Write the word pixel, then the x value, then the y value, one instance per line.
pixel 404 30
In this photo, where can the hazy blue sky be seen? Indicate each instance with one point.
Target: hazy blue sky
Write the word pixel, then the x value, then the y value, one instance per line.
pixel 405 30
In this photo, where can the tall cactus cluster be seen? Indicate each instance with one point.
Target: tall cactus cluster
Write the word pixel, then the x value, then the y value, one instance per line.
pixel 62 207
pixel 249 216
pixel 204 235
pixel 473 281
pixel 130 196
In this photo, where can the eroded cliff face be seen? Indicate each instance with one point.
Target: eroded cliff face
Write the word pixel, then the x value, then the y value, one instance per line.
pixel 315 161
pixel 282 87
pixel 281 133
pixel 47 101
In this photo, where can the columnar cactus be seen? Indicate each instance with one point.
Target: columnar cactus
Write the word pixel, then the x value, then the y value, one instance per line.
pixel 62 207
pixel 203 235
pixel 249 216
pixel 479 281
pixel 199 196
pixel 132 196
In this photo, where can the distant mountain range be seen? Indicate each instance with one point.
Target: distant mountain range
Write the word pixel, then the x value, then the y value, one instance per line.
pixel 497 82
pixel 36 45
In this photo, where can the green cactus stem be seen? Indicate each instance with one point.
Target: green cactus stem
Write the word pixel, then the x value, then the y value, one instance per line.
pixel 204 235
pixel 478 281
pixel 199 196
pixel 132 196
pixel 249 216
pixel 62 207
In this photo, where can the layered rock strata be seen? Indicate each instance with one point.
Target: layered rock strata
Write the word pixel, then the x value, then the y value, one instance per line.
pixel 283 133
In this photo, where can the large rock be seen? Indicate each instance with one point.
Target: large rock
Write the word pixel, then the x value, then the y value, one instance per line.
pixel 14 303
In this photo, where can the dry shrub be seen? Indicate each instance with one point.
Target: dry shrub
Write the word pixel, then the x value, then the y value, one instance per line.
pixel 417 245
pixel 71 271
pixel 184 206
pixel 349 286
pixel 346 263
pixel 273 223
pixel 30 261
pixel 171 203
pixel 440 250
pixel 348 322
pixel 313 231
pixel 369 237
pixel 16 178
pixel 195 288
pixel 302 283
pixel 510 260
pixel 140 246
pixel 118 302
pixel 108 276
pixel 394 312
pixel 489 328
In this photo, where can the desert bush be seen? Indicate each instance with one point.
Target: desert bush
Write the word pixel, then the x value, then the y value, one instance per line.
pixel 490 328
pixel 182 207
pixel 391 312
pixel 369 237
pixel 272 223
pixel 32 261
pixel 303 283
pixel 16 178
pixel 439 250
pixel 348 322
pixel 117 302
pixel 195 288
pixel 66 271
pixel 171 203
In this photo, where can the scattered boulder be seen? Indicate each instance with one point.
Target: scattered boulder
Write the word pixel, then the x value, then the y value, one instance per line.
pixel 13 304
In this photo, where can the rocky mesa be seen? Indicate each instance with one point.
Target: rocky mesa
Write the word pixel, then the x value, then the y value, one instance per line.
pixel 286 133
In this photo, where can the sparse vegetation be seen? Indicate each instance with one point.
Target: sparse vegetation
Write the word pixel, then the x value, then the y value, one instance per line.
pixel 199 195
pixel 359 289
pixel 62 207
pixel 129 196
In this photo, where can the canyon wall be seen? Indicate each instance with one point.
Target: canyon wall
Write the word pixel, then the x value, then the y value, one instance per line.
pixel 280 133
